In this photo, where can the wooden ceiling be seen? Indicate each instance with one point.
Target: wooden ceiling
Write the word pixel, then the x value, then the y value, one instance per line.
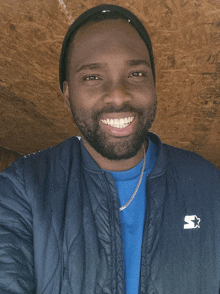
pixel 186 42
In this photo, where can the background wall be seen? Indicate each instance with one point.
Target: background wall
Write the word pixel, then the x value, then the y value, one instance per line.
pixel 7 156
pixel 186 42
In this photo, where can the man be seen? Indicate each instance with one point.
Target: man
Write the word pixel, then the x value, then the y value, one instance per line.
pixel 116 211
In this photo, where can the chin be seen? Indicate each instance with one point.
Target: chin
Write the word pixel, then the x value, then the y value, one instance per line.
pixel 117 150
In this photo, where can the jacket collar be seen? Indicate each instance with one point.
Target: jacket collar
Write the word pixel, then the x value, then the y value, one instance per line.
pixel 160 165
pixel 159 168
pixel 87 161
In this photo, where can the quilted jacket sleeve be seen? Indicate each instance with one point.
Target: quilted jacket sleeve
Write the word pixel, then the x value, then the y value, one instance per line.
pixel 16 242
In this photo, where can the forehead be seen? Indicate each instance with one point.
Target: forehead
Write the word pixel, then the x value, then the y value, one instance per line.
pixel 107 36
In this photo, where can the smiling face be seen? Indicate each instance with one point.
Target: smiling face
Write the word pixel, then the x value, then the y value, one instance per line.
pixel 110 90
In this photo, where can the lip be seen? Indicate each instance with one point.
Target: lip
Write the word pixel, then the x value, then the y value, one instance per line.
pixel 117 132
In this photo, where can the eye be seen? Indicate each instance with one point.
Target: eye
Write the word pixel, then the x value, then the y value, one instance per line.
pixel 137 74
pixel 91 78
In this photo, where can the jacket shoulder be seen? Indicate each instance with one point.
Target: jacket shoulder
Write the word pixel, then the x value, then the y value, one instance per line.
pixel 190 163
pixel 53 162
pixel 61 153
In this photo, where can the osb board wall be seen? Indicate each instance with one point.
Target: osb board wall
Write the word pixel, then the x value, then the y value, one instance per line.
pixel 186 41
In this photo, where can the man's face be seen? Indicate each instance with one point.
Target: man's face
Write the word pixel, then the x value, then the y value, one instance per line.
pixel 111 88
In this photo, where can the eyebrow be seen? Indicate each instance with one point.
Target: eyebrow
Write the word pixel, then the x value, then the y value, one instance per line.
pixel 133 62
pixel 138 62
pixel 91 66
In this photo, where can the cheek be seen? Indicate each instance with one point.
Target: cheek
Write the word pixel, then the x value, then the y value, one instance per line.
pixel 78 99
pixel 144 96
pixel 83 96
pixel 149 87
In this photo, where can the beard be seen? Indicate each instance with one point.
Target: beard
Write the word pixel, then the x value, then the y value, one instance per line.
pixel 116 148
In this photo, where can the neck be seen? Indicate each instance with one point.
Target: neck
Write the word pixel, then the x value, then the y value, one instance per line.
pixel 114 165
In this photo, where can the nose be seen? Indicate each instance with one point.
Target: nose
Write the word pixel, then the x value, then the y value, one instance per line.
pixel 117 94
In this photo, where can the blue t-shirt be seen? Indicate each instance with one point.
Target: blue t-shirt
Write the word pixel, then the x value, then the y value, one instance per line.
pixel 132 217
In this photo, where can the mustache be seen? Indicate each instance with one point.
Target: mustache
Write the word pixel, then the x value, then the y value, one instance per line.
pixel 117 109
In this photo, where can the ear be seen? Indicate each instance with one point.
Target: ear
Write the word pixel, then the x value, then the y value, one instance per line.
pixel 66 95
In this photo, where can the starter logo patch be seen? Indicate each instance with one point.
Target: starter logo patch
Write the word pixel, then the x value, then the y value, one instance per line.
pixel 191 222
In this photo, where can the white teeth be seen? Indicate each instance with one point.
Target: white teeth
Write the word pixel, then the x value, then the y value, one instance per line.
pixel 118 123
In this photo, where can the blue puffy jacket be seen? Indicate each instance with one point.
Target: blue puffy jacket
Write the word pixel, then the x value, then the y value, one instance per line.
pixel 60 225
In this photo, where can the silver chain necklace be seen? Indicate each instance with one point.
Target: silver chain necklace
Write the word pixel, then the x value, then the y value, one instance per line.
pixel 138 185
